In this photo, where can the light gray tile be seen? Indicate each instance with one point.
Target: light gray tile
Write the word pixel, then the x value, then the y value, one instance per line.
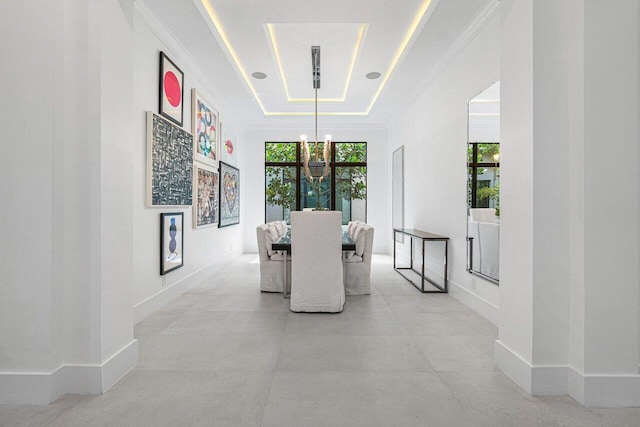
pixel 395 286
pixel 212 353
pixel 492 399
pixel 39 415
pixel 229 323
pixel 197 398
pixel 361 399
pixel 232 287
pixel 337 353
pixel 156 323
pixel 365 303
pixel 619 417
pixel 454 323
pixel 258 302
pixel 345 323
pixel 182 303
pixel 454 353
pixel 425 303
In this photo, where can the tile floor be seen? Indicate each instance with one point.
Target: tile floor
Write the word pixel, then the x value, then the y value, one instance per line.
pixel 224 354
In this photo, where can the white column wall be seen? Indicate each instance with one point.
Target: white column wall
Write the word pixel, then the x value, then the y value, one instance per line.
pixel 26 264
pixel 611 199
pixel 66 306
pixel 516 184
pixel 378 173
pixel 434 134
pixel 569 258
pixel 116 235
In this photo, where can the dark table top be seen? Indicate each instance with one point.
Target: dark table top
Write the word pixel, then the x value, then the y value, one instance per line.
pixel 284 244
pixel 420 234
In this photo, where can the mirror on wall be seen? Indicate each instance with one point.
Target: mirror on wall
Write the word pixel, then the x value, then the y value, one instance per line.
pixel 483 184
pixel 397 203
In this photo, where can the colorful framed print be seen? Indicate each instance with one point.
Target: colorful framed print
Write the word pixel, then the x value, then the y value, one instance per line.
pixel 171 241
pixel 169 163
pixel 229 195
pixel 205 196
pixel 206 130
pixel 171 90
pixel 228 147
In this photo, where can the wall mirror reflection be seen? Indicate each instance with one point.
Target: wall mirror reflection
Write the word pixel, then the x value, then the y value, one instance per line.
pixel 483 184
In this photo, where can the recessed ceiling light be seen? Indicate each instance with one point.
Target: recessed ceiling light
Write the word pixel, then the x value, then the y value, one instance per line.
pixel 373 75
pixel 259 75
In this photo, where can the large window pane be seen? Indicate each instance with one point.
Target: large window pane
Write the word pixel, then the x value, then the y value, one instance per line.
pixel 351 193
pixel 280 192
pixel 309 192
pixel 484 175
pixel 280 152
pixel 287 188
pixel 351 152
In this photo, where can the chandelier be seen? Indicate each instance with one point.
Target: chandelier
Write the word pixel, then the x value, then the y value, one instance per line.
pixel 317 168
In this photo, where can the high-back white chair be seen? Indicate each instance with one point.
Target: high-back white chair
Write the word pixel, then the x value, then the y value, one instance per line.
pixel 316 262
pixel 271 262
pixel 357 264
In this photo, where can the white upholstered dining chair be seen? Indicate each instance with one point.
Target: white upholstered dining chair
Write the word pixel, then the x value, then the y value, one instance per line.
pixel 316 262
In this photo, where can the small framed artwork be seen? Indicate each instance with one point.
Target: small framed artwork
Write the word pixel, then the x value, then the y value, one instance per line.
pixel 171 90
pixel 228 147
pixel 206 130
pixel 229 195
pixel 205 196
pixel 171 241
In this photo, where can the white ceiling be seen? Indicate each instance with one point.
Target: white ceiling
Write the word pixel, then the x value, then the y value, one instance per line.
pixel 404 40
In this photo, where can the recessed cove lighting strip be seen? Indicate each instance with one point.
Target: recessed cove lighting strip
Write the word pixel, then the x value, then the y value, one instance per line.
pixel 247 78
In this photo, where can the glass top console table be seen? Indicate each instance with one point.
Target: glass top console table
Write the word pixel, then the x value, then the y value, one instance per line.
pixel 420 278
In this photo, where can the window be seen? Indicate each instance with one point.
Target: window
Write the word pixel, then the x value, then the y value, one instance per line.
pixel 484 175
pixel 286 188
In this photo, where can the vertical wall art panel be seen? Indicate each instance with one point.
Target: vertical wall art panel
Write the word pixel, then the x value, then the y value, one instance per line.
pixel 171 90
pixel 205 128
pixel 205 195
pixel 228 147
pixel 171 241
pixel 229 195
pixel 169 163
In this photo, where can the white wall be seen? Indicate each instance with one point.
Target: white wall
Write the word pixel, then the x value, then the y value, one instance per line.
pixel 206 249
pixel 378 172
pixel 66 312
pixel 434 134
pixel 569 286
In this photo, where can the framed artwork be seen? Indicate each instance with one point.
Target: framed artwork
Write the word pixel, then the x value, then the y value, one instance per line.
pixel 171 241
pixel 169 163
pixel 205 196
pixel 206 130
pixel 171 90
pixel 228 147
pixel 229 195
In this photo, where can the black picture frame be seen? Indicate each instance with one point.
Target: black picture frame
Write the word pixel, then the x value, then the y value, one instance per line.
pixel 171 90
pixel 171 241
pixel 229 193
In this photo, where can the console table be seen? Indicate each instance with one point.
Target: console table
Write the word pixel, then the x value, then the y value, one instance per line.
pixel 424 237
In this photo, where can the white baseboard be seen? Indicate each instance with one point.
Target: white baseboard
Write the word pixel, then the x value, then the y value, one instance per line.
pixel 147 307
pixel 486 309
pixel 589 390
pixel 546 380
pixel 604 390
pixel 42 388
